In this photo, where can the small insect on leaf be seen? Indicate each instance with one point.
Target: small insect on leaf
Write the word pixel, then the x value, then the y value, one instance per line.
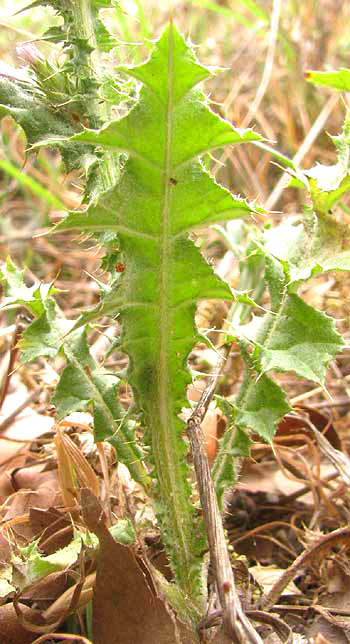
pixel 120 267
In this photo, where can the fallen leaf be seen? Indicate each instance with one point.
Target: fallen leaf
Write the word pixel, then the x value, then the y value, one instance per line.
pixel 127 608
pixel 34 489
pixel 11 630
pixel 266 576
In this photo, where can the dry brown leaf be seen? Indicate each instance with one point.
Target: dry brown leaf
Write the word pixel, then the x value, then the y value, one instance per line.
pixel 127 608
pixel 11 631
pixel 267 576
pixel 54 529
pixel 323 631
pixel 35 489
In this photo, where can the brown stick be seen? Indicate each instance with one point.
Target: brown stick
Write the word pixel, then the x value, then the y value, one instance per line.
pixel 13 356
pixel 236 624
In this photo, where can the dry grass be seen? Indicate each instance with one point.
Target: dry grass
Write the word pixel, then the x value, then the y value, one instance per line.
pixel 262 85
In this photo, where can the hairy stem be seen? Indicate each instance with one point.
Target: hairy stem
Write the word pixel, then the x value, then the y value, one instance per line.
pixel 89 63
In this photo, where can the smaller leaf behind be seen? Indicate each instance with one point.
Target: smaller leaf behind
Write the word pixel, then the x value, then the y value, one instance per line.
pixel 259 407
pixel 84 384
pixel 293 336
pixel 38 119
pixel 17 293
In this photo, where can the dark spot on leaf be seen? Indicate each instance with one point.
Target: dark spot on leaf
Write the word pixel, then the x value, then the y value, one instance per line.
pixel 173 181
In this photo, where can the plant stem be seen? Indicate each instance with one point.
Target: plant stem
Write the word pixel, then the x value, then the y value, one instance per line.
pixel 90 77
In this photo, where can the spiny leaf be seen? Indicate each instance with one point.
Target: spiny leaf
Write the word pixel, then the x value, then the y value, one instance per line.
pixel 37 119
pixel 34 565
pixel 260 406
pixel 233 446
pixel 80 388
pixel 163 193
pixel 17 293
pixel 38 566
pixel 321 243
pixel 339 79
pixel 44 336
pixel 329 183
pixel 295 338
pixel 84 384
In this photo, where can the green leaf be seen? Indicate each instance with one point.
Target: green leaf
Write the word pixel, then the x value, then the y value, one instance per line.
pixel 319 246
pixel 163 193
pixel 45 336
pixel 233 446
pixel 261 406
pixel 123 532
pixel 38 566
pixel 321 243
pixel 340 79
pixel 34 565
pixel 84 384
pixel 296 338
pixel 37 119
pixel 329 183
pixel 293 336
pixel 17 293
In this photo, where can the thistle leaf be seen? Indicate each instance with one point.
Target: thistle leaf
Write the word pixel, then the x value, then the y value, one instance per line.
pixel 17 293
pixel 163 193
pixel 296 338
pixel 261 405
pixel 38 119
pixel 322 242
pixel 339 79
pixel 84 384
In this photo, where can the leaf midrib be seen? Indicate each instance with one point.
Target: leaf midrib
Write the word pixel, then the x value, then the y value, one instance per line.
pixel 167 440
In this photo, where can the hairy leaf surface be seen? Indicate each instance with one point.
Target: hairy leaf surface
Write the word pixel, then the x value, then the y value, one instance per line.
pixel 260 405
pixel 37 119
pixel 17 293
pixel 163 193
pixel 298 338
